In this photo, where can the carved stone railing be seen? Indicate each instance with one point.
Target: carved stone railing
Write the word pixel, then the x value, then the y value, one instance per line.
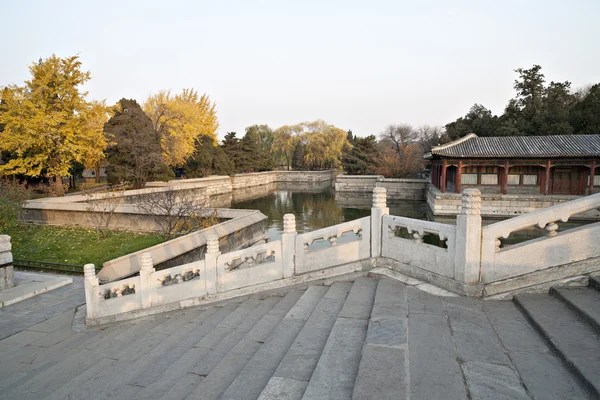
pixel 466 259
pixel 500 261
pixel 312 255
pixel 413 250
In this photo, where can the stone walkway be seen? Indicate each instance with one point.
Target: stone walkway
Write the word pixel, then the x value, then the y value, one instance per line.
pixel 367 339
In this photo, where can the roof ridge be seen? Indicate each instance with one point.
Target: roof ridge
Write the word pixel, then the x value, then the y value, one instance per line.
pixel 455 142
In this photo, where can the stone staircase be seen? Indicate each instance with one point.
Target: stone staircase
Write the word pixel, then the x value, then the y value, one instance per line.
pixel 366 339
pixel 568 318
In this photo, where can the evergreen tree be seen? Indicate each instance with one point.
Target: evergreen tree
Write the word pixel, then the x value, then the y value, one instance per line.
pixel 361 159
pixel 136 154
pixel 231 147
pixel 208 159
pixel 585 114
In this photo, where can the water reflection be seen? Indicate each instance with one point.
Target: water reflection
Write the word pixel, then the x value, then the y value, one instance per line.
pixel 313 205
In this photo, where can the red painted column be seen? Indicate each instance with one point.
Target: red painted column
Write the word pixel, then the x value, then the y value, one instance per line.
pixel 458 176
pixel 547 178
pixel 443 183
pixel 592 172
pixel 505 179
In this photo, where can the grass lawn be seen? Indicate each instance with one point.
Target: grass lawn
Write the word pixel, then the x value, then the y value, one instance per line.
pixel 77 246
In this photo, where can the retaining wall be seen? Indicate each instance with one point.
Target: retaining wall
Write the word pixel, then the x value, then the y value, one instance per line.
pixel 397 189
pixel 498 205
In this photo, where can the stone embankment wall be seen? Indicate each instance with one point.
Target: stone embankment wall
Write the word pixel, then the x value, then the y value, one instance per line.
pixel 397 189
pixel 6 267
pixel 242 181
pixel 501 206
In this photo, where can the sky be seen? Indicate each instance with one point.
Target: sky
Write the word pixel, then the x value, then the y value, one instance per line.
pixel 358 65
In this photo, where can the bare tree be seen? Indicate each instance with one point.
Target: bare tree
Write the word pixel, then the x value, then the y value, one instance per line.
pixel 399 136
pixel 177 212
pixel 102 207
pixel 430 136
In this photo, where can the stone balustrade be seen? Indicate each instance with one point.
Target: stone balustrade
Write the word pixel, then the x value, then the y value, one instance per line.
pixel 464 258
pixel 554 249
pixel 6 267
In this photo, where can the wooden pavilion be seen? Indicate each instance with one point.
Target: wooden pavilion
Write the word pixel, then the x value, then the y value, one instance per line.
pixel 562 165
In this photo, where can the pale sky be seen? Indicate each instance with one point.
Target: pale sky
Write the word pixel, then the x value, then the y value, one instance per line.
pixel 359 65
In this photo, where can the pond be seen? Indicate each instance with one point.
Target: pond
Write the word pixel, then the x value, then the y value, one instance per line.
pixel 317 206
pixel 314 205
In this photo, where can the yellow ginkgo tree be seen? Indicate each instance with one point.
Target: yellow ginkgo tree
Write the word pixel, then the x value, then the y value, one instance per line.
pixel 46 123
pixel 180 119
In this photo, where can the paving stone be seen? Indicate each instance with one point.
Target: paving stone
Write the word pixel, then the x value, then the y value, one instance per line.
pixel 546 377
pixel 215 354
pixel 283 389
pixel 50 339
pixel 221 377
pixel 186 362
pixel 336 370
pixel 382 374
pixel 577 343
pixel 175 347
pixel 513 329
pixel 473 333
pixel 305 306
pixel 585 301
pixel 180 389
pixel 493 382
pixel 18 340
pixel 390 300
pixel 252 379
pixel 303 355
pixel 359 302
pixel 387 332
pixel 528 352
pixel 420 302
pixel 338 289
pixel 56 322
pixel 433 362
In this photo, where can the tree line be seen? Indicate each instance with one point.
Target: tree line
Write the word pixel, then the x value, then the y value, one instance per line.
pixel 49 130
pixel 539 108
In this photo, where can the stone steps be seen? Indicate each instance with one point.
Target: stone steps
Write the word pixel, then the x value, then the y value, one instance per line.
pixel 382 372
pixel 566 329
pixel 367 339
pixel 583 301
pixel 219 378
pixel 336 371
pixel 168 382
pixel 297 366
pixel 251 381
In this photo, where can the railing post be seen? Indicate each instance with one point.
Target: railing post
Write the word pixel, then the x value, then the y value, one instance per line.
pixel 288 245
pixel 146 284
pixel 212 252
pixel 7 274
pixel 92 297
pixel 378 210
pixel 467 254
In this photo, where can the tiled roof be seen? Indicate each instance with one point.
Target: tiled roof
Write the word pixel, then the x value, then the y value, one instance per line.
pixel 472 146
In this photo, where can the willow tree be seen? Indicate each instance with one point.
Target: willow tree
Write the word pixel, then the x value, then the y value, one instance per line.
pixel 45 121
pixel 180 119
pixel 285 139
